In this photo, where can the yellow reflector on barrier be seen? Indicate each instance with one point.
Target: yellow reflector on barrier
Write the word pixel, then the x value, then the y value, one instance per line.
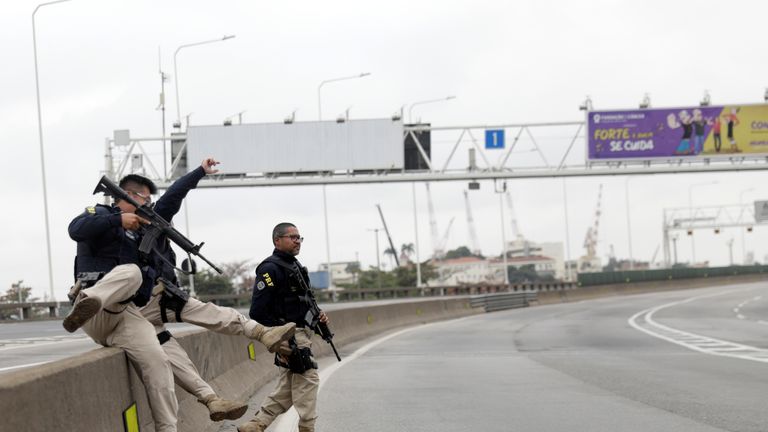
pixel 370 319
pixel 418 311
pixel 131 418
pixel 251 351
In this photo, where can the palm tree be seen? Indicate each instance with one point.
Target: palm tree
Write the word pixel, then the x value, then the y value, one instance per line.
pixel 391 252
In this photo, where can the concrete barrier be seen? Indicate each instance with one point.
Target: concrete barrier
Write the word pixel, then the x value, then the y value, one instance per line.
pixel 88 393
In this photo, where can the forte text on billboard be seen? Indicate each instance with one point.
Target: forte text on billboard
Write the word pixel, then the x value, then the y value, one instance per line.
pixel 673 133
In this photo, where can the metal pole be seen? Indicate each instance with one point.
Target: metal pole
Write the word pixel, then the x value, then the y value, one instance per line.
pixel 410 109
pixel 503 234
pixel 742 229
pixel 690 222
pixel 319 87
pixel 21 309
pixel 378 259
pixel 175 69
pixel 327 242
pixel 567 235
pixel 416 233
pixel 629 224
pixel 690 217
pixel 42 149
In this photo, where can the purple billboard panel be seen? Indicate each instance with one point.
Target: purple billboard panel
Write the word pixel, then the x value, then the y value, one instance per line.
pixel 689 132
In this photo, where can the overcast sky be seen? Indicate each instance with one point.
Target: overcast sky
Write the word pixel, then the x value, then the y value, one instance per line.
pixel 507 62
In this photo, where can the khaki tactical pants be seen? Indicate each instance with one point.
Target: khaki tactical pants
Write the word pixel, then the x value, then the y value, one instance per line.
pixel 299 390
pixel 123 326
pixel 207 315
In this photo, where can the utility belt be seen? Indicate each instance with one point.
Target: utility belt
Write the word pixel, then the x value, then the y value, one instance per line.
pixel 82 281
pixel 300 360
pixel 173 298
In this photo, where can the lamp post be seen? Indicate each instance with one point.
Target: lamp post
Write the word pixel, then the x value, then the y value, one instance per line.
pixel 416 233
pixel 410 109
pixel 176 70
pixel 690 216
pixel 743 245
pixel 325 205
pixel 503 230
pixel 42 150
pixel 629 224
pixel 178 124
pixel 567 232
pixel 320 87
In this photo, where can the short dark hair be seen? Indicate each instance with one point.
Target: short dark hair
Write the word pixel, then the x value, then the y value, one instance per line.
pixel 139 180
pixel 280 229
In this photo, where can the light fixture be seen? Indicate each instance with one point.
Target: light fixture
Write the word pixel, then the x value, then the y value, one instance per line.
pixel 646 102
pixel 586 105
pixel 706 100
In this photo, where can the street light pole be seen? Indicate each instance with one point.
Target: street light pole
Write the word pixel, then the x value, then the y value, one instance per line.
pixel 410 109
pixel 690 216
pixel 416 233
pixel 319 87
pixel 325 205
pixel 176 71
pixel 629 224
pixel 503 230
pixel 178 122
pixel 42 150
pixel 743 245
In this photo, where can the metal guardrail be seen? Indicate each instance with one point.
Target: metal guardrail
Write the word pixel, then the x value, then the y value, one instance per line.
pixel 497 302
pixel 244 299
pixel 353 294
pixel 28 308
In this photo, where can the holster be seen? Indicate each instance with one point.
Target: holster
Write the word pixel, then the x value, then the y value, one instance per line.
pixel 84 280
pixel 299 361
pixel 173 298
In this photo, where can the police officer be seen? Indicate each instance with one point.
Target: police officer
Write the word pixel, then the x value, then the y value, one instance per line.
pixel 117 280
pixel 279 296
pixel 166 305
pixel 116 283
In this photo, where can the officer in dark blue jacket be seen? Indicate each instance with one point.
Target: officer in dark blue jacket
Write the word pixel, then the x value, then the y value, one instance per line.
pixel 280 296
pixel 107 244
pixel 190 310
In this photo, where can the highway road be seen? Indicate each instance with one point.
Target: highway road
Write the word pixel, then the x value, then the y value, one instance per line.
pixel 683 361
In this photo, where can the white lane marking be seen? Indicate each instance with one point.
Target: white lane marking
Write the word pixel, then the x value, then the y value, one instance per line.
pixel 692 341
pixel 737 309
pixel 289 421
pixel 22 366
pixel 39 342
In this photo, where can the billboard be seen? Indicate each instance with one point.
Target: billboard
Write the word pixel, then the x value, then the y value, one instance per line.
pixel 299 147
pixel 679 133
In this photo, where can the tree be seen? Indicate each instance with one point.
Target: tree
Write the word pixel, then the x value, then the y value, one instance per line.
pixel 12 296
pixel 526 274
pixel 354 268
pixel 208 282
pixel 391 253
pixel 240 273
pixel 461 251
pixel 407 249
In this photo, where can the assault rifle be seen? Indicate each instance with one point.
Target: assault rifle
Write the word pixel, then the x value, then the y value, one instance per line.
pixel 157 227
pixel 312 318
